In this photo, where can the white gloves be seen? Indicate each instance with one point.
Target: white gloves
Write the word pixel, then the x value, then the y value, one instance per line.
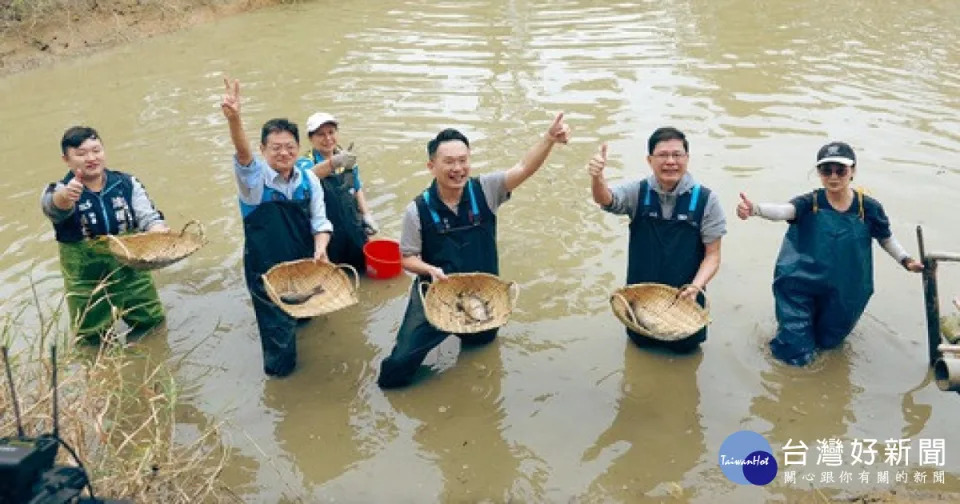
pixel 370 225
pixel 343 159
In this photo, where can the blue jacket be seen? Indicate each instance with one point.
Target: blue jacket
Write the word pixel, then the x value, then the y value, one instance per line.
pixel 110 211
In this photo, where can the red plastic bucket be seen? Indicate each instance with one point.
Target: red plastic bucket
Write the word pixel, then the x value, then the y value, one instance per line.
pixel 383 258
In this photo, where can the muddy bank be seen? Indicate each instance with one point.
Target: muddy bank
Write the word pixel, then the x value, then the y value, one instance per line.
pixel 41 32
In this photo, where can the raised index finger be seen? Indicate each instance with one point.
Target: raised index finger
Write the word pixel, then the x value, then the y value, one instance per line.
pixel 557 121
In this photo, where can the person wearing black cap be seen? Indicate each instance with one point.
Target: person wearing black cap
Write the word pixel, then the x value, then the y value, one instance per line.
pixel 824 273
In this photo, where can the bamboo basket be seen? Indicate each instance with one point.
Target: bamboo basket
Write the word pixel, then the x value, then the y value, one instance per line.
pixel 655 311
pixel 305 276
pixel 442 302
pixel 148 251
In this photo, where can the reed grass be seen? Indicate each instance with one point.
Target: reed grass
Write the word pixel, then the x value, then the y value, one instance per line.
pixel 117 409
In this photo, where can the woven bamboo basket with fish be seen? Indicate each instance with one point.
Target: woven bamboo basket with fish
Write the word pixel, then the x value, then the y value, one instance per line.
pixel 656 310
pixel 468 303
pixel 148 251
pixel 305 288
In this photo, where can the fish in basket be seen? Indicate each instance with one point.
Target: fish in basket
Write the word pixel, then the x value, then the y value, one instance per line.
pixel 657 311
pixel 305 288
pixel 148 251
pixel 468 303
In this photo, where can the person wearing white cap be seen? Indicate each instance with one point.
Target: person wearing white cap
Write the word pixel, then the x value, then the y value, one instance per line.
pixel 343 191
pixel 824 274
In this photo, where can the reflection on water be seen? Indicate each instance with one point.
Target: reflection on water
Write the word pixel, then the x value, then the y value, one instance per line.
pixel 561 407
pixel 808 407
pixel 657 418
pixel 810 403
pixel 459 419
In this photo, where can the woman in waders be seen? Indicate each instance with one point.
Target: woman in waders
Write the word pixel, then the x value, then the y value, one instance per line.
pixel 283 220
pixel 342 191
pixel 824 273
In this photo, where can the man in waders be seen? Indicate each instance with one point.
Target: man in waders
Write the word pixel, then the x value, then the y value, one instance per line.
pixel 89 202
pixel 342 191
pixel 675 225
pixel 283 220
pixel 452 228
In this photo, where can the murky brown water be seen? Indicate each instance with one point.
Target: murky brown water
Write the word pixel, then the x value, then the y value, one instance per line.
pixel 561 407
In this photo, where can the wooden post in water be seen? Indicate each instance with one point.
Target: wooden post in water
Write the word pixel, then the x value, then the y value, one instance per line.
pixel 930 299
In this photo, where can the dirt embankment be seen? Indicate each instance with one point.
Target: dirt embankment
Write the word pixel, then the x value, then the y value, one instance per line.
pixel 38 32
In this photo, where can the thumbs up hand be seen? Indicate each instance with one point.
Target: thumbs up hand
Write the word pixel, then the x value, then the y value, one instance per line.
pixel 67 195
pixel 74 188
pixel 746 208
pixel 598 162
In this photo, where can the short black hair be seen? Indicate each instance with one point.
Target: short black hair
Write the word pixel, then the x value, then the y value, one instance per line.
pixel 446 135
pixel 76 135
pixel 279 126
pixel 666 133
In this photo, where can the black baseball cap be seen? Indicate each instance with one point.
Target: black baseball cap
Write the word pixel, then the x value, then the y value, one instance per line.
pixel 836 152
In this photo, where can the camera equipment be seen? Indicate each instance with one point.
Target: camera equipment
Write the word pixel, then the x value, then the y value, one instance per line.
pixel 27 470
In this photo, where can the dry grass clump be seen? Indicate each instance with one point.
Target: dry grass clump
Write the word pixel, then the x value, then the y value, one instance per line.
pixel 118 410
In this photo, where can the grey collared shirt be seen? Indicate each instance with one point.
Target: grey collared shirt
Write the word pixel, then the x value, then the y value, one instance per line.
pixel 494 187
pixel 251 180
pixel 626 201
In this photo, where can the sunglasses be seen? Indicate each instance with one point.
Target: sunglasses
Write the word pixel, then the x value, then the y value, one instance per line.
pixel 828 169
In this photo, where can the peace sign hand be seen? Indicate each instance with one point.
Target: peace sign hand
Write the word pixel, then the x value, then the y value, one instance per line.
pixel 559 132
pixel 231 99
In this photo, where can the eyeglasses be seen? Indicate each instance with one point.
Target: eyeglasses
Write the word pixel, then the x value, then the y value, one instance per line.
pixel 829 169
pixel 277 148
pixel 663 156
